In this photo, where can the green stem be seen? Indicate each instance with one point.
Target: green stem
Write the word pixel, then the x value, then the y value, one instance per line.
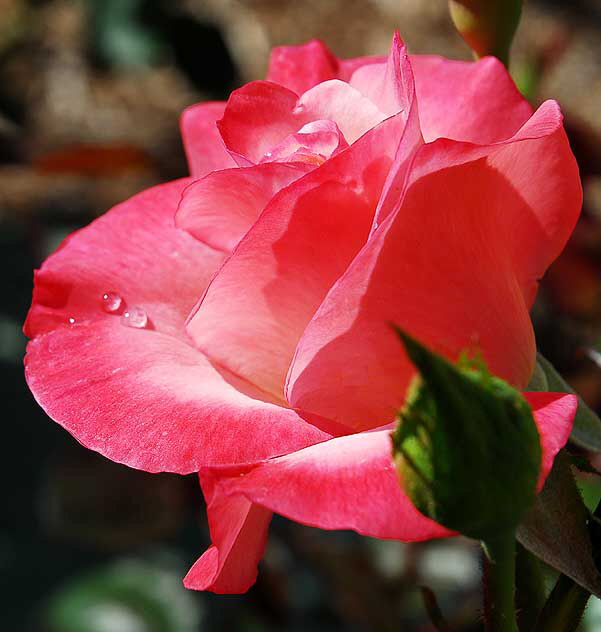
pixel 564 608
pixel 530 588
pixel 499 583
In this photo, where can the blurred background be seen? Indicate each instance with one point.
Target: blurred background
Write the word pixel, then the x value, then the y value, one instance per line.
pixel 90 95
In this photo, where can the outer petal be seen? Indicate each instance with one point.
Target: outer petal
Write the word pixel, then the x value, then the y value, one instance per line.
pixel 471 101
pixel 144 397
pixel 437 271
pixel 453 266
pixel 538 163
pixel 404 94
pixel 545 173
pixel 349 66
pixel 257 306
pixel 299 68
pixel 344 483
pixel 133 250
pixel 204 147
pixel 554 415
pixel 239 533
pixel 219 209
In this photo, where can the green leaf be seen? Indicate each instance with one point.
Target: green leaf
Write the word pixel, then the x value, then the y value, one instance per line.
pixel 587 425
pixel 466 447
pixel 556 528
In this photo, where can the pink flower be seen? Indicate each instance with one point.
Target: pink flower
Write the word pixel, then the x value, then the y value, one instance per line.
pixel 236 323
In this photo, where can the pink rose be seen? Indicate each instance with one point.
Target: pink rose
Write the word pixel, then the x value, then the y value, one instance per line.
pixel 237 323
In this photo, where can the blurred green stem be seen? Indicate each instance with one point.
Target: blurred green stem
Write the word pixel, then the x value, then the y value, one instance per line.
pixel 499 583
pixel 530 588
pixel 564 608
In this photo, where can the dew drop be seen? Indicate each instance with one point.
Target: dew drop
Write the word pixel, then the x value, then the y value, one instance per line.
pixel 134 317
pixel 111 302
pixel 71 321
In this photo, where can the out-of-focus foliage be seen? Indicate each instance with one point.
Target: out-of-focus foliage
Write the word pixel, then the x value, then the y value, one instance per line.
pixel 127 596
pixel 90 95
pixel 556 528
pixel 119 36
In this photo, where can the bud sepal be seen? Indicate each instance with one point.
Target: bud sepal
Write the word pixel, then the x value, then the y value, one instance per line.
pixel 466 447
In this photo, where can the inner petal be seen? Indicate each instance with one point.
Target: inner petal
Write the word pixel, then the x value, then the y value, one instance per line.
pixel 260 117
pixel 314 143
pixel 338 101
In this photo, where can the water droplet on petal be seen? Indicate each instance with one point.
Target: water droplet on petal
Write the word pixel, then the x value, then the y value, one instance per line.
pixel 71 321
pixel 134 317
pixel 111 302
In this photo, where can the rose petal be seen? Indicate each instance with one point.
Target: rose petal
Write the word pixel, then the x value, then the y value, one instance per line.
pixel 314 143
pixel 434 271
pixel 134 251
pixel 204 146
pixel 453 267
pixel 299 68
pixel 144 396
pixel 551 190
pixel 345 483
pixel 347 67
pixel 257 306
pixel 338 101
pixel 257 117
pixel 388 84
pixel 239 534
pixel 219 209
pixel 412 139
pixel 553 193
pixel 351 483
pixel 554 415
pixel 471 101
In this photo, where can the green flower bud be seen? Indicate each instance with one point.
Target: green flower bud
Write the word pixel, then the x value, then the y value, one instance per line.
pixel 487 26
pixel 466 447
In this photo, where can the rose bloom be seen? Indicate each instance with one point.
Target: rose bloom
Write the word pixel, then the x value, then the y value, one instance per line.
pixel 237 323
